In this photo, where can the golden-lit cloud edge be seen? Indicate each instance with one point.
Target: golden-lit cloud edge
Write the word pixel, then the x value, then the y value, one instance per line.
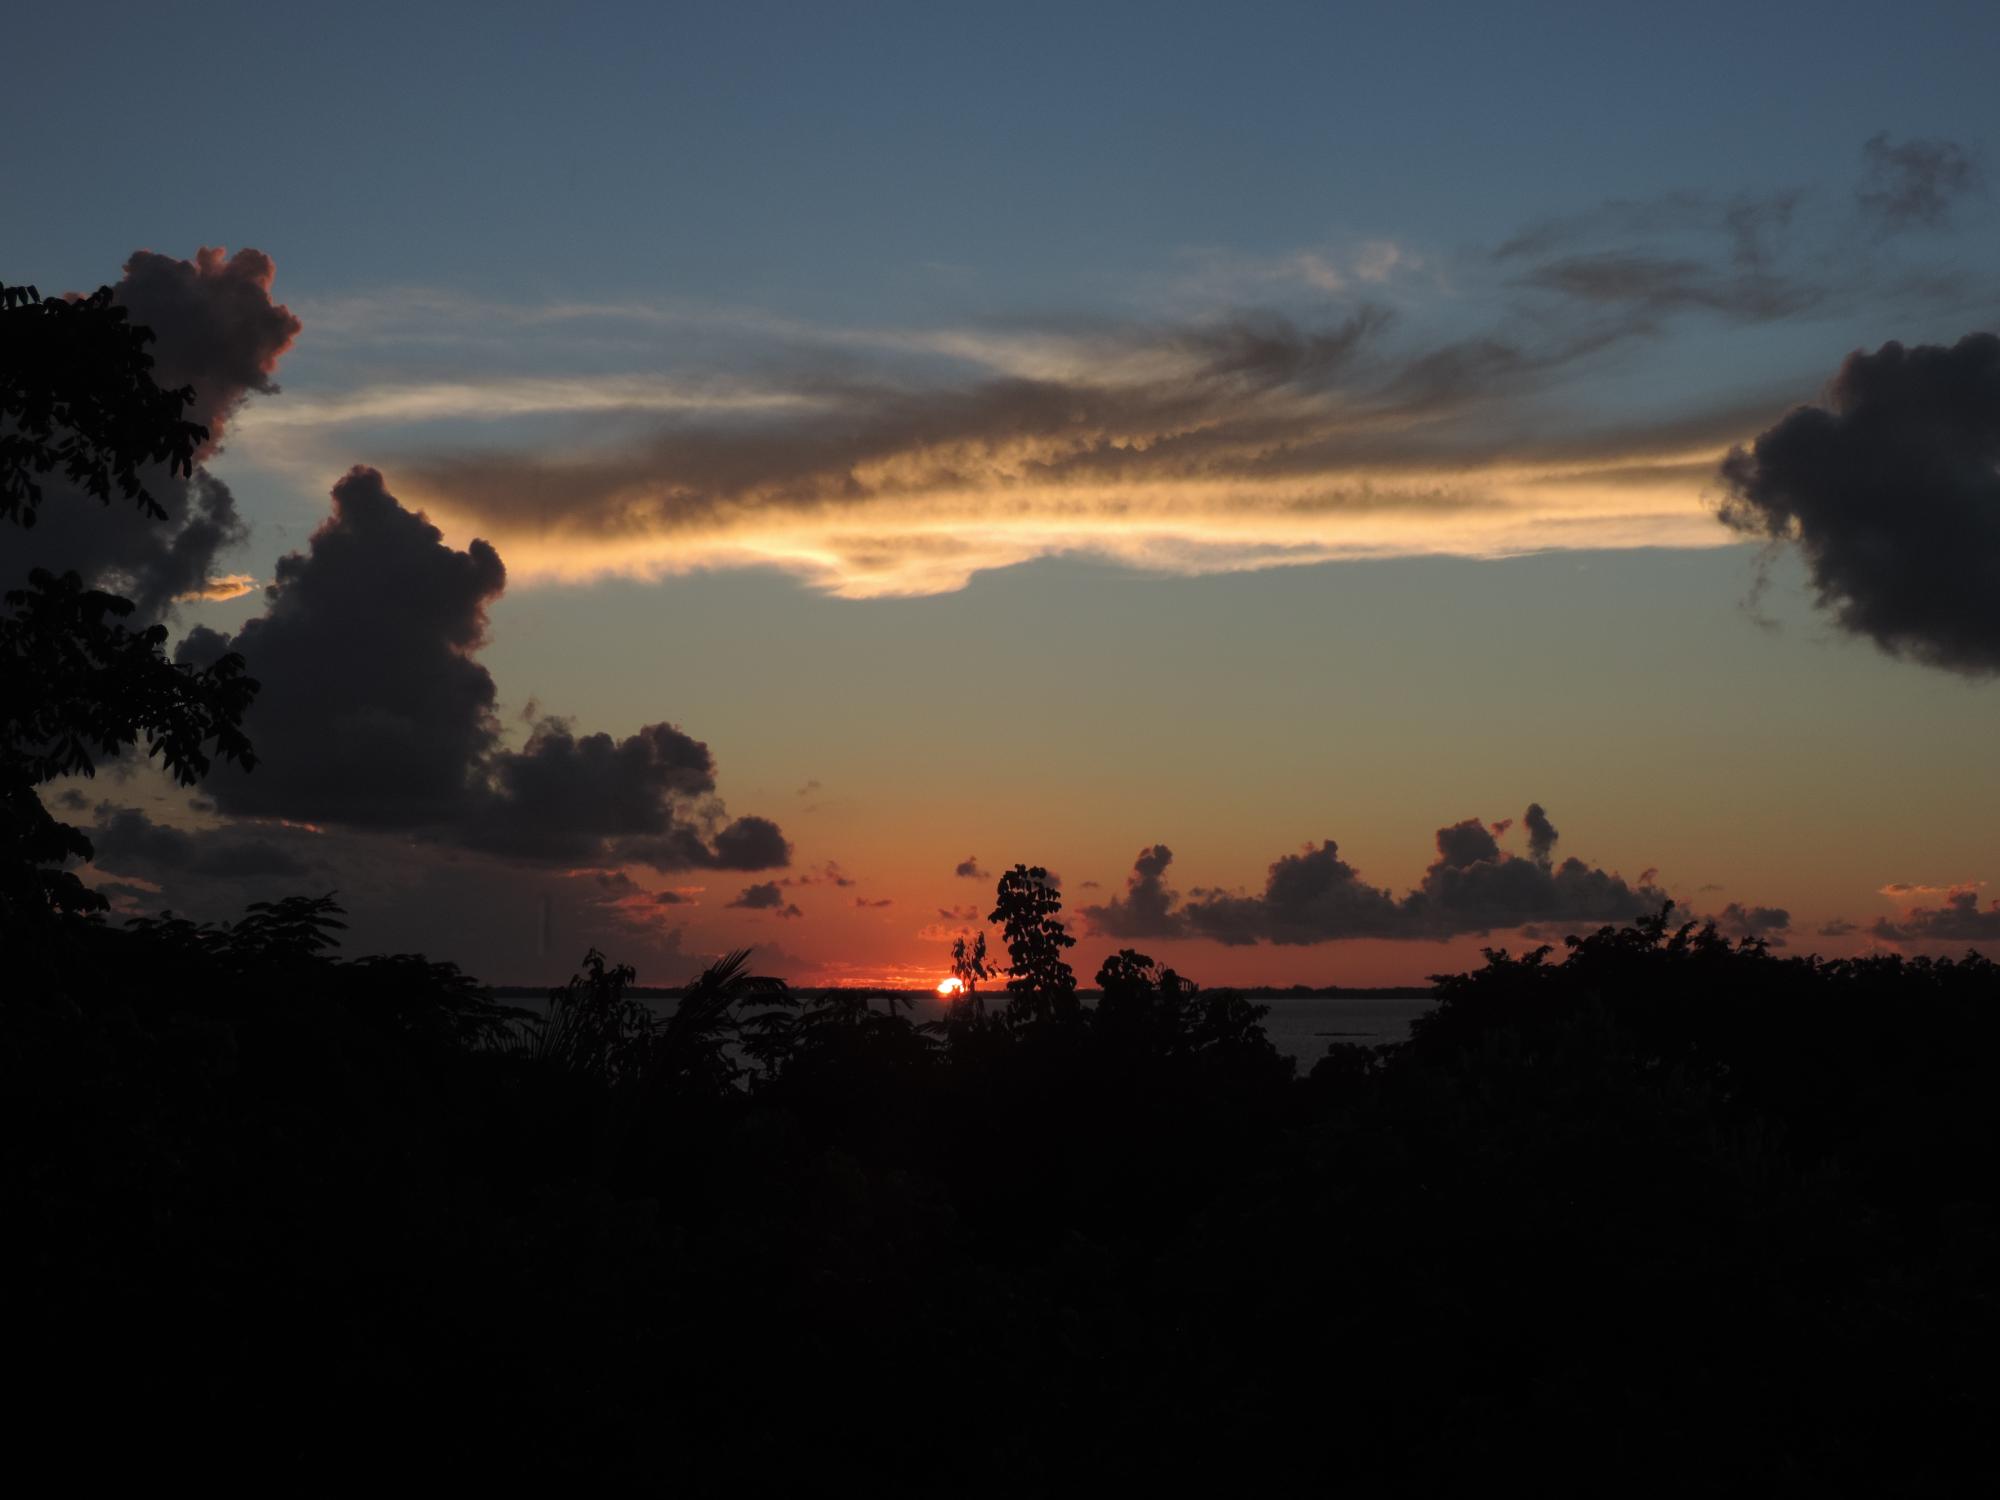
pixel 934 541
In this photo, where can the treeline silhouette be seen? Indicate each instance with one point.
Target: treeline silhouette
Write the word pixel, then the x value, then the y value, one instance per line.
pixel 1665 1213
pixel 1671 1211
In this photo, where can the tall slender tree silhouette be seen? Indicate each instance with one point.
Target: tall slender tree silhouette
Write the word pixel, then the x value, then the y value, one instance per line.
pixel 1040 981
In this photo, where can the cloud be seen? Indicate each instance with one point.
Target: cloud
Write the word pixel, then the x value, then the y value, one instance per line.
pixel 1891 493
pixel 1961 919
pixel 1146 908
pixel 216 329
pixel 1315 896
pixel 1542 833
pixel 376 714
pixel 1770 923
pixel 968 868
pixel 875 905
pixel 1655 285
pixel 1839 927
pixel 126 840
pixel 765 896
pixel 1914 183
pixel 1244 442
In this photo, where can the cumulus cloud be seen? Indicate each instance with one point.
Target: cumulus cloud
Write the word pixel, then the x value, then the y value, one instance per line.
pixel 765 896
pixel 968 868
pixel 1891 493
pixel 1960 919
pixel 1147 907
pixel 375 713
pixel 1770 923
pixel 217 330
pixel 1315 896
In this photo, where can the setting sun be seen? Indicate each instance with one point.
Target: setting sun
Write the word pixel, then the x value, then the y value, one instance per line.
pixel 951 988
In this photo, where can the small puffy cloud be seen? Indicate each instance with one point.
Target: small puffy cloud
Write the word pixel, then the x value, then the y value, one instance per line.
pixel 1770 923
pixel 875 905
pixel 1316 896
pixel 765 896
pixel 1960 919
pixel 1839 927
pixel 968 868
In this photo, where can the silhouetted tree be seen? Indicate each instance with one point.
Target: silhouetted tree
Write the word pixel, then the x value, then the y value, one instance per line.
pixel 77 394
pixel 971 968
pixel 1039 980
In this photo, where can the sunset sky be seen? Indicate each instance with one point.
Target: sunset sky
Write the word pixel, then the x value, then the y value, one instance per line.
pixel 1150 442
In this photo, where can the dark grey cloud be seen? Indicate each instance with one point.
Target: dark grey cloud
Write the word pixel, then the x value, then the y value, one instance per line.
pixel 375 713
pixel 1960 920
pixel 128 841
pixel 1913 183
pixel 1839 927
pixel 765 896
pixel 968 868
pixel 875 905
pixel 1542 833
pixel 1315 896
pixel 1891 493
pixel 1146 908
pixel 1771 923
pixel 217 330
pixel 673 898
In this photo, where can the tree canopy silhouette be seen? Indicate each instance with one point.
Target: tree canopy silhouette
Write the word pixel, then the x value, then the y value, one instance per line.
pixel 1039 979
pixel 77 394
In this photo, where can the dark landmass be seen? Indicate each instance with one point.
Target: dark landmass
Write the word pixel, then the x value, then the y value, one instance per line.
pixel 1670 1208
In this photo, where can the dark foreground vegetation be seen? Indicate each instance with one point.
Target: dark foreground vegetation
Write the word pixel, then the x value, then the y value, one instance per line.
pixel 1670 1215
pixel 1671 1212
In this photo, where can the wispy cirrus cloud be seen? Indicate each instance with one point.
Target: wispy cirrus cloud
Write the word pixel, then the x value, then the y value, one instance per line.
pixel 1283 408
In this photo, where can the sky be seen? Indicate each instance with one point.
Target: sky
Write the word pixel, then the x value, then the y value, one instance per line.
pixel 1340 487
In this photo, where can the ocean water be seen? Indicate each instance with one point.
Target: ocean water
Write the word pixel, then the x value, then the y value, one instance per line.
pixel 1303 1027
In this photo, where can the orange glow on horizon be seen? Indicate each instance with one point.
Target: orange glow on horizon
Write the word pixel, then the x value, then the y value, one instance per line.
pixel 950 988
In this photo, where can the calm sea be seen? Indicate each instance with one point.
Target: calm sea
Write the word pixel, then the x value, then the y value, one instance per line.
pixel 1302 1027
